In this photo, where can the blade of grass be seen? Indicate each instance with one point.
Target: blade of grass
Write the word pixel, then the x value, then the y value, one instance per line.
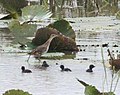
pixel 118 77
pixel 105 72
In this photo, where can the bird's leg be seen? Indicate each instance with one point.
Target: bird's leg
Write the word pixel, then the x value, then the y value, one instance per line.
pixel 28 58
pixel 37 56
pixel 39 59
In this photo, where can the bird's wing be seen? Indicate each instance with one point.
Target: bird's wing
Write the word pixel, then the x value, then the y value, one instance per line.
pixel 41 49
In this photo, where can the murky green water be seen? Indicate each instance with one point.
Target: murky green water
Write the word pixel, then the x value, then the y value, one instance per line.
pixel 90 32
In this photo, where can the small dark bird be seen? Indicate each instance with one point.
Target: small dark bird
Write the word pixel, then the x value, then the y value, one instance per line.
pixel 45 64
pixel 90 68
pixel 92 45
pixel 115 45
pixel 105 45
pixel 97 45
pixel 25 70
pixel 64 69
pixel 22 45
pixel 56 63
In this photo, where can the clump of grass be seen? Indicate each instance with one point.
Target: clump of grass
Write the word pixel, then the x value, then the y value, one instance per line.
pixel 115 76
pixel 59 57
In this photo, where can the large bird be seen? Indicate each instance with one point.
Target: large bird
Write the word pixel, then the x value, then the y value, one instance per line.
pixel 38 51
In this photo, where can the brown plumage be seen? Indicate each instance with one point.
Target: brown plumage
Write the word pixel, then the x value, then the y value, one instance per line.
pixel 38 51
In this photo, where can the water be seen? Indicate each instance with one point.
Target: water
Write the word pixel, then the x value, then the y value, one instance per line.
pixel 52 81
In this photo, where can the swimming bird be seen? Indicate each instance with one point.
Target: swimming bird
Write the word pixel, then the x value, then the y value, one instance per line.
pixel 37 52
pixel 64 69
pixel 105 45
pixel 56 63
pixel 45 64
pixel 25 70
pixel 90 68
pixel 22 45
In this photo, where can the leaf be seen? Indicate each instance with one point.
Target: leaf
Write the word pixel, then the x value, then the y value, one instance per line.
pixel 21 31
pixel 82 82
pixel 91 90
pixel 107 93
pixel 13 6
pixel 35 12
pixel 16 92
pixel 66 28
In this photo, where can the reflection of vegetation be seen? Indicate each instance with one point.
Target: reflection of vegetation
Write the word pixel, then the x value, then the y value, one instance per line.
pixel 16 92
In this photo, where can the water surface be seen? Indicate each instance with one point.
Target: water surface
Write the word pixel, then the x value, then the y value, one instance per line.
pixel 52 81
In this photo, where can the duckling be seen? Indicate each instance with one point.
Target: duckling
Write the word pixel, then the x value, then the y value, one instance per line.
pixel 22 45
pixel 115 45
pixel 105 45
pixel 25 70
pixel 56 63
pixel 64 69
pixel 90 68
pixel 45 64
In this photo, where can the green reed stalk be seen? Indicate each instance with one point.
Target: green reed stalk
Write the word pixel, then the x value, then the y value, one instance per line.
pixel 118 77
pixel 105 79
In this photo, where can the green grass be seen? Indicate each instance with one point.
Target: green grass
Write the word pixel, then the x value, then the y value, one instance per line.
pixel 59 57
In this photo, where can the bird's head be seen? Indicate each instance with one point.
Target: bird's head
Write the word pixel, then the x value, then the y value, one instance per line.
pixel 91 66
pixel 62 67
pixel 23 68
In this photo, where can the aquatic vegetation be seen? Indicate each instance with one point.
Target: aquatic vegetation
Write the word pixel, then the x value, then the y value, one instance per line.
pixel 61 43
pixel 13 7
pixel 66 56
pixel 21 27
pixel 16 92
pixel 92 90
pixel 21 31
pixel 35 13
pixel 115 76
pixel 64 27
